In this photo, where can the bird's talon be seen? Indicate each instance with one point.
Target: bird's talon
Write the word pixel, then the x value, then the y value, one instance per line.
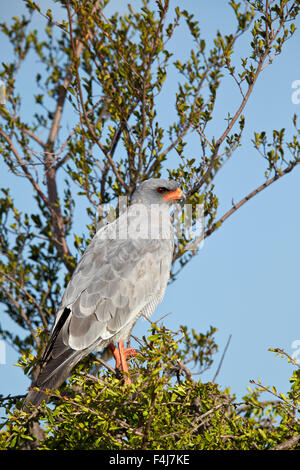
pixel 121 355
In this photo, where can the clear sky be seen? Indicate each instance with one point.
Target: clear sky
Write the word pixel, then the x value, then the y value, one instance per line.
pixel 245 279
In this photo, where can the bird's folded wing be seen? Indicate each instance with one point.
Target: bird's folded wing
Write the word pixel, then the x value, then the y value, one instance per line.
pixel 114 281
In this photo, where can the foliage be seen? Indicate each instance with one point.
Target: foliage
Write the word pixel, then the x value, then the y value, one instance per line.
pixel 163 408
pixel 93 133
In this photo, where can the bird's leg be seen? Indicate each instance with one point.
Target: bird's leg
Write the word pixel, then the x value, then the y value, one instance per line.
pixel 120 356
pixel 116 354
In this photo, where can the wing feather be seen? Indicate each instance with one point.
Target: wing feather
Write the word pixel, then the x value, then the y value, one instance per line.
pixel 114 282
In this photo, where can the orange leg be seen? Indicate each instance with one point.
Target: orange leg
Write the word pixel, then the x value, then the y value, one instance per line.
pixel 120 356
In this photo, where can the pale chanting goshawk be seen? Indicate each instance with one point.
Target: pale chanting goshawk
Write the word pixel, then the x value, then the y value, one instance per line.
pixel 122 275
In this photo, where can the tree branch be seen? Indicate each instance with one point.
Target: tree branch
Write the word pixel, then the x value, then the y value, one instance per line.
pixel 250 196
pixel 231 123
pixel 30 297
pixel 222 359
pixel 90 128
pixel 49 161
pixel 24 167
pixel 288 444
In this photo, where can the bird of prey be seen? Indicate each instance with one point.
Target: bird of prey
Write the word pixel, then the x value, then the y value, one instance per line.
pixel 122 275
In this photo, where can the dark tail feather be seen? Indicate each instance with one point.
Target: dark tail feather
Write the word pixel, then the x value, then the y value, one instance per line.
pixel 52 375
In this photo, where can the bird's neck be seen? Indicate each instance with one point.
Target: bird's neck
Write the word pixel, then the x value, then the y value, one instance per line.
pixel 149 220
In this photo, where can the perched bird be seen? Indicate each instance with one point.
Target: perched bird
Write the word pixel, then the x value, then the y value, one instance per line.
pixel 122 275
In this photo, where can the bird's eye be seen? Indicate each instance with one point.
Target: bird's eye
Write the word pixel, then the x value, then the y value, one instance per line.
pixel 161 190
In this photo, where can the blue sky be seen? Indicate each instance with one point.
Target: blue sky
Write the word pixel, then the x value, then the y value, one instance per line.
pixel 245 279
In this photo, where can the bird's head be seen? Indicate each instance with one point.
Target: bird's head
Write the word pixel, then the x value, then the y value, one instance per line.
pixel 157 191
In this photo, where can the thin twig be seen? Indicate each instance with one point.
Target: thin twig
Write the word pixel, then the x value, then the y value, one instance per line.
pixel 27 293
pixel 87 121
pixel 251 195
pixel 266 389
pixel 24 167
pixel 222 359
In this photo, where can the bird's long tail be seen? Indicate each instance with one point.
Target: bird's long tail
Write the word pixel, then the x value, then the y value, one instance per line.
pixel 54 372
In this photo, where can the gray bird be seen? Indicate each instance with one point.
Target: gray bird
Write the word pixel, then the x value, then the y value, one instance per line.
pixel 122 275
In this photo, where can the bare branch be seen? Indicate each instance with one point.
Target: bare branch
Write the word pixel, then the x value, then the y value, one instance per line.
pixel 251 195
pixel 87 121
pixel 34 137
pixel 222 359
pixel 288 444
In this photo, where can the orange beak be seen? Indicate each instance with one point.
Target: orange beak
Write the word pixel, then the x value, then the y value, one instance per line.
pixel 177 194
